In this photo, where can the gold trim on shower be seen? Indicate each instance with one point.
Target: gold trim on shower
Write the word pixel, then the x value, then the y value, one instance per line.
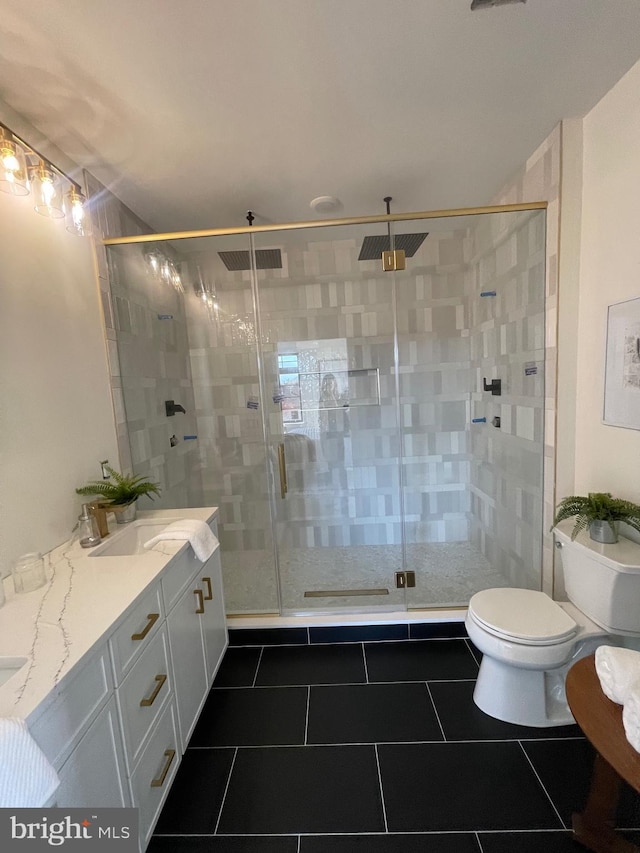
pixel 325 223
pixel 282 465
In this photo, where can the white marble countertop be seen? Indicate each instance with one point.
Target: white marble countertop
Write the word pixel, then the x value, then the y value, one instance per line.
pixel 58 625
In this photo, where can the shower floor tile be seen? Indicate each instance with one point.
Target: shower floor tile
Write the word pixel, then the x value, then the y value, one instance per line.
pixel 316 664
pixel 406 763
pixel 422 660
pixel 371 713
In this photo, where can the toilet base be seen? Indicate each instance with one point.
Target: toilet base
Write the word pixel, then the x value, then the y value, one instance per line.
pixel 526 697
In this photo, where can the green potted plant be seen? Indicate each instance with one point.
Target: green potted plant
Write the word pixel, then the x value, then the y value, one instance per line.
pixel 120 492
pixel 600 512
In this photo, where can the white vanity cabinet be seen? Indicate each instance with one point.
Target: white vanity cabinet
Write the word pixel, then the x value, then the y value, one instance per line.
pixel 198 638
pixel 117 725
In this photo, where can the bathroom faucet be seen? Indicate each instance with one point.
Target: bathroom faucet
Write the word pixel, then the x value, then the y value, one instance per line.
pixel 99 511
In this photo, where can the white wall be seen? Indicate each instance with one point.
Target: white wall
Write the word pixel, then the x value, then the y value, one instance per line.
pixel 607 458
pixel 56 418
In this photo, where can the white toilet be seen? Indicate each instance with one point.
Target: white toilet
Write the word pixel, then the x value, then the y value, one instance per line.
pixel 529 641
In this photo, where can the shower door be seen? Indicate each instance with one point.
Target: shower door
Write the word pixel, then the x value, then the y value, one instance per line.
pixel 470 308
pixel 326 330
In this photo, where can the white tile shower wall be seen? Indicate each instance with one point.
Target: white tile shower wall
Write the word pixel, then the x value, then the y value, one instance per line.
pixel 149 359
pixel 345 489
pixel 507 342
pixel 539 180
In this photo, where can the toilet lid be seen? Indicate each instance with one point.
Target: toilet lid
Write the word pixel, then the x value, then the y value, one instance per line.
pixel 523 614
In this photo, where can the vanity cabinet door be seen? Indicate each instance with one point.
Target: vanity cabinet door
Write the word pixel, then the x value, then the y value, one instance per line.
pixel 94 774
pixel 188 658
pixel 214 627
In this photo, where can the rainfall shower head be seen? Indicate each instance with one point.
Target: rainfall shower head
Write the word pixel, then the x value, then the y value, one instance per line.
pixel 266 259
pixel 373 247
pixel 486 4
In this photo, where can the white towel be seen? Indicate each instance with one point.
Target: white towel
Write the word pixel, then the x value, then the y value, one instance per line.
pixel 27 779
pixel 631 717
pixel 618 671
pixel 198 533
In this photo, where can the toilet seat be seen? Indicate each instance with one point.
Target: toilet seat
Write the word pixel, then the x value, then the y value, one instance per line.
pixel 522 616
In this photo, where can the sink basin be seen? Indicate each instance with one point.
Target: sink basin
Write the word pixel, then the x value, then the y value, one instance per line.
pixel 127 542
pixel 9 667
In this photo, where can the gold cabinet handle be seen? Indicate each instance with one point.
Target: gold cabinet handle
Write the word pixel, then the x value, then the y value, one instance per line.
pixel 158 782
pixel 145 703
pixel 153 618
pixel 209 594
pixel 200 596
pixel 282 464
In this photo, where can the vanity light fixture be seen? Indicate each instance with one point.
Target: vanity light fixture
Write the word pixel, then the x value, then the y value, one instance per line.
pixel 13 165
pixel 24 170
pixel 46 188
pixel 76 215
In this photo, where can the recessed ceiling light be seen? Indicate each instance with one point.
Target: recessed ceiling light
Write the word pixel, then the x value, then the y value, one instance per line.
pixel 325 204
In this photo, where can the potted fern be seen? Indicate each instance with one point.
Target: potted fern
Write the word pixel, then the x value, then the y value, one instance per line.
pixel 601 513
pixel 120 492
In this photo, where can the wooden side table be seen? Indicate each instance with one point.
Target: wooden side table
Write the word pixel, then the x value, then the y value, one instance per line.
pixel 601 721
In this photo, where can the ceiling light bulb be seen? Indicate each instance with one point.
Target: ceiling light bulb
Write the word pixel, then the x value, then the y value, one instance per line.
pixel 13 168
pixel 45 183
pixel 77 219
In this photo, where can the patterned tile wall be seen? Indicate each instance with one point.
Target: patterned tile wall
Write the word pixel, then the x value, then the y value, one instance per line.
pixel 507 341
pixel 148 357
pixel 539 180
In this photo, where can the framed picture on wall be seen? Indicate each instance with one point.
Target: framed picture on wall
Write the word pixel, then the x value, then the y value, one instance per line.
pixel 622 371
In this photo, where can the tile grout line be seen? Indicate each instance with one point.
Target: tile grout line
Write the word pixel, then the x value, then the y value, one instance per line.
pixel 426 684
pixel 385 742
pixel 467 644
pixel 366 668
pixel 342 683
pixel 255 677
pixel 350 642
pixel 226 788
pixel 480 847
pixel 542 785
pixel 299 842
pixel 384 808
pixel 306 721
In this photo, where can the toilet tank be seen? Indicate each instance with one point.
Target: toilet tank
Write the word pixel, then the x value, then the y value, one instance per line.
pixel 603 581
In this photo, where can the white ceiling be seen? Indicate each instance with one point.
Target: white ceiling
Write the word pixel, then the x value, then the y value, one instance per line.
pixel 197 110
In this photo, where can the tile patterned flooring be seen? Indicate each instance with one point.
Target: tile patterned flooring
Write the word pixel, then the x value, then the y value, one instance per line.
pixel 371 746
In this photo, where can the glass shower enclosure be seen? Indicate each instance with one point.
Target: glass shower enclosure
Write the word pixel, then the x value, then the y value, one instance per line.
pixel 374 439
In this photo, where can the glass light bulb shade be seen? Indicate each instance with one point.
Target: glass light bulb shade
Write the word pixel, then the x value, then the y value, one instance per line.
pixel 13 168
pixel 77 217
pixel 46 189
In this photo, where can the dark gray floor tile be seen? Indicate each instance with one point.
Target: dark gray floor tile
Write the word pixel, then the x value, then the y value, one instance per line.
pixel 462 786
pixel 268 636
pixel 529 842
pixel 462 720
pixel 420 660
pixel 193 804
pixel 371 713
pixel 216 844
pixel 431 630
pixel 252 717
pixel 358 633
pixel 238 668
pixel 422 843
pixel 565 770
pixel 315 664
pixel 311 789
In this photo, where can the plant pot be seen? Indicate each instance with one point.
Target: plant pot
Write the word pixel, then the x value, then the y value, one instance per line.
pixel 124 512
pixel 601 531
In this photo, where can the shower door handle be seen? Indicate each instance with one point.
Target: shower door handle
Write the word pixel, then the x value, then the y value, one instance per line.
pixel 282 464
